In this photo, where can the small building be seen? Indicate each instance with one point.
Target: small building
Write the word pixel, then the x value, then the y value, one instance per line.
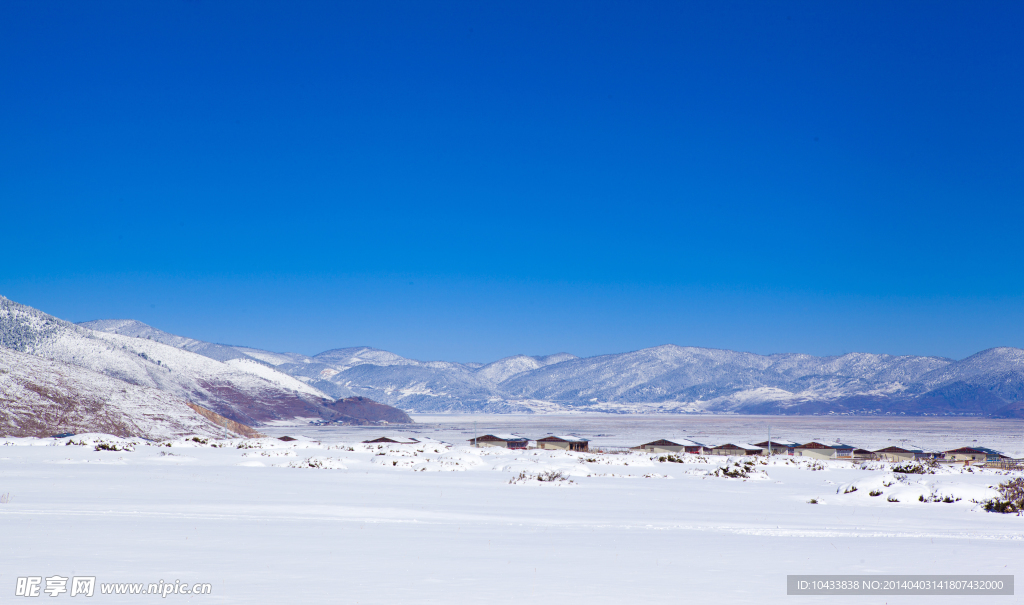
pixel 779 447
pixel 563 442
pixel 825 451
pixel 895 453
pixel 863 454
pixel 736 449
pixel 973 454
pixel 400 440
pixel 512 442
pixel 674 445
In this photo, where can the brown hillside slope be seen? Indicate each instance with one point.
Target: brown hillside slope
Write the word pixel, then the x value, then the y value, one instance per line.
pixel 360 408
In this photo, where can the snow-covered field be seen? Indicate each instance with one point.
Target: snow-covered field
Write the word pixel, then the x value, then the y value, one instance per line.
pixel 267 521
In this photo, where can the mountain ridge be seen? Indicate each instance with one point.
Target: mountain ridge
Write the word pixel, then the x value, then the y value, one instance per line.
pixel 669 378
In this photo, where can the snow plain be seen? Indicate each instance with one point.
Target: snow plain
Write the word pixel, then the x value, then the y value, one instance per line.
pixel 267 521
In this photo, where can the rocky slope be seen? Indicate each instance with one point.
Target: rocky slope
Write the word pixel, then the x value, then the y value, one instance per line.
pixel 360 410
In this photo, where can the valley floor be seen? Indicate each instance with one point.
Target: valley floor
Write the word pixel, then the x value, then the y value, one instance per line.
pixel 266 521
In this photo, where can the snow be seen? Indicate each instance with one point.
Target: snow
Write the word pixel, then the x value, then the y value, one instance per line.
pixel 271 375
pixel 264 520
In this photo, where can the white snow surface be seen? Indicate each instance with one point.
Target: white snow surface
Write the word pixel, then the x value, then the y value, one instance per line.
pixel 264 520
pixel 271 375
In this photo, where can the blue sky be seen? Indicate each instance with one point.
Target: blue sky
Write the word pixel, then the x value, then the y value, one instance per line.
pixel 470 180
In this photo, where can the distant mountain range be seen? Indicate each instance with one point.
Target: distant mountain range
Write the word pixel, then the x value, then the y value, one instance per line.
pixel 662 379
pixel 257 387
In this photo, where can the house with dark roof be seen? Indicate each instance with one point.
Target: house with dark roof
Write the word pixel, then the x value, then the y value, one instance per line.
pixel 512 442
pixel 895 453
pixel 825 451
pixel 779 447
pixel 674 445
pixel 972 455
pixel 564 442
pixel 400 440
pixel 735 449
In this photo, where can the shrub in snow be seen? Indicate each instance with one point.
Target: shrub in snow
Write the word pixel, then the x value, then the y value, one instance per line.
pixel 5 498
pixel 738 470
pixel 670 458
pixel 114 447
pixel 318 462
pixel 915 468
pixel 807 464
pixel 875 492
pixel 1010 500
pixel 551 476
pixel 542 477
pixel 812 501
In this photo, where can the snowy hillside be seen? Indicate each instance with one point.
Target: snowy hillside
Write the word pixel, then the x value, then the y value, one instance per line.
pixel 137 329
pixel 249 393
pixel 39 398
pixel 1000 370
pixel 503 369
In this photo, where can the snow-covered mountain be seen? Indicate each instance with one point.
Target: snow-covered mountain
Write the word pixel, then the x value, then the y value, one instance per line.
pixel 667 378
pixel 242 389
pixel 137 329
pixel 40 397
pixel 695 379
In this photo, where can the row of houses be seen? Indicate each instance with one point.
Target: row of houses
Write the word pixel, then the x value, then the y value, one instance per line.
pixel 824 451
pixel 512 442
pixel 776 447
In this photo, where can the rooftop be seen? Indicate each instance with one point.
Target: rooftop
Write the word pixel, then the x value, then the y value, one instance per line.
pixel 499 437
pixel 679 442
pixel 568 438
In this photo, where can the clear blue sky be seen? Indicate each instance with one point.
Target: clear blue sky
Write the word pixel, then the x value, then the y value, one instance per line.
pixel 469 180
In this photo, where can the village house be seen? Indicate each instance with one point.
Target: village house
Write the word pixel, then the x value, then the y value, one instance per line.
pixel 825 451
pixel 563 442
pixel 735 449
pixel 674 445
pixel 972 455
pixel 512 442
pixel 895 453
pixel 779 447
pixel 863 454
pixel 400 440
